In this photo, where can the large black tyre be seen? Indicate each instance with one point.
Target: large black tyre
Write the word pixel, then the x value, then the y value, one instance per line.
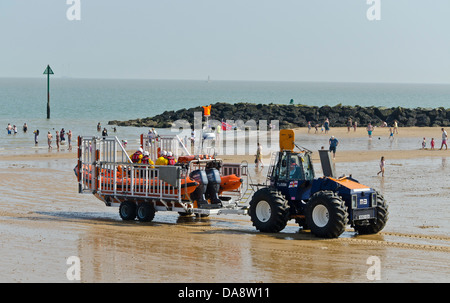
pixel 145 212
pixel 378 224
pixel 127 210
pixel 326 214
pixel 269 211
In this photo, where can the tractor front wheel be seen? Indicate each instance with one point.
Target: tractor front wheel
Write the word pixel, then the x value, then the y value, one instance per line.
pixel 326 214
pixel 377 224
pixel 269 211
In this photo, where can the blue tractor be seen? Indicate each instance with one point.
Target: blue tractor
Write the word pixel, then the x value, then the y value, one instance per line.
pixel 324 205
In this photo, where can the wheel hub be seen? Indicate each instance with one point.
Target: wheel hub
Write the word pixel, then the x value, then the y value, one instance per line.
pixel 263 211
pixel 320 215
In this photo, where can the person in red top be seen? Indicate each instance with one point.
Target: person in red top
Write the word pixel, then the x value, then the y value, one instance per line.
pixel 171 159
pixel 137 156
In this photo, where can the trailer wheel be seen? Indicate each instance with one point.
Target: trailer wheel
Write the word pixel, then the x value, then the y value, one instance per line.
pixel 127 210
pixel 378 224
pixel 269 211
pixel 145 212
pixel 326 214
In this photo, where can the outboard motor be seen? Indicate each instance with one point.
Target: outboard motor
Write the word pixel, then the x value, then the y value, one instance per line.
pixel 212 190
pixel 199 194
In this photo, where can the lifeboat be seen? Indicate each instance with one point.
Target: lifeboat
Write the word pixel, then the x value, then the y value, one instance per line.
pixel 229 183
pixel 139 184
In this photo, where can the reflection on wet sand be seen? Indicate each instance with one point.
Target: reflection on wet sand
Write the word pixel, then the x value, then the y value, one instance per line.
pixel 199 252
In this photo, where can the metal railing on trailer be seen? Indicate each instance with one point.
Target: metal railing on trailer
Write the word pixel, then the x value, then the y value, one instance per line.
pixel 106 170
pixel 174 144
pixel 156 145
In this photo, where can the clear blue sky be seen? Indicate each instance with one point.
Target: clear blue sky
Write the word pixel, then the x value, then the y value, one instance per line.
pixel 282 40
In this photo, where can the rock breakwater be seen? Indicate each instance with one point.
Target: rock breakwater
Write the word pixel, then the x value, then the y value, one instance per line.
pixel 296 115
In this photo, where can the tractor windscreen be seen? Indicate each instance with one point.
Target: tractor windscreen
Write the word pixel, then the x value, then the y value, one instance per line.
pixel 308 167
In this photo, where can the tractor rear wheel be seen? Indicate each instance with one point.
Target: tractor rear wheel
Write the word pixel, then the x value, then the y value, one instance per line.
pixel 377 224
pixel 127 210
pixel 326 214
pixel 269 211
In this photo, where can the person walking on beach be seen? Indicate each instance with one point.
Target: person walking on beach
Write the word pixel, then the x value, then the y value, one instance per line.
pixel 369 130
pixel 151 136
pixel 258 159
pixel 391 133
pixel 49 140
pixel 432 143
pixel 326 124
pixel 355 125
pixel 36 136
pixel 57 140
pixel 349 124
pixel 333 144
pixel 382 165
pixel 396 126
pixel 69 139
pixel 62 135
pixel 424 143
pixel 444 139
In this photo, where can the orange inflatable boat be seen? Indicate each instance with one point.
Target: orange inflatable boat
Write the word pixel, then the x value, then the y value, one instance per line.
pixel 188 185
pixel 229 183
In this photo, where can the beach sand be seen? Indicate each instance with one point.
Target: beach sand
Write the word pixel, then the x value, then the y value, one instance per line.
pixel 44 221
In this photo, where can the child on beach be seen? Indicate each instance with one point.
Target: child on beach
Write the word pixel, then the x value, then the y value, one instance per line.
pixel 424 143
pixel 391 136
pixel 432 143
pixel 382 164
pixel 369 130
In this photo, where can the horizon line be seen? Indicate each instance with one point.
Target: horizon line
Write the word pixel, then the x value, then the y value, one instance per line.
pixel 225 80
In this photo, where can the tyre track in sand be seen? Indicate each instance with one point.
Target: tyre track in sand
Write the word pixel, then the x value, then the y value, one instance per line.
pixel 442 245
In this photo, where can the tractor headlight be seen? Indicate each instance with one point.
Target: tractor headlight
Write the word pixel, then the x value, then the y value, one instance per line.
pixel 354 201
pixel 374 199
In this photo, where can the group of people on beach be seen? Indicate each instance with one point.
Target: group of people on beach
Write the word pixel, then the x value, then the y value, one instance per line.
pixel 325 127
pixel 60 135
pixel 60 138
pixel 432 142
pixel 12 129
pixel 334 142
pixel 104 131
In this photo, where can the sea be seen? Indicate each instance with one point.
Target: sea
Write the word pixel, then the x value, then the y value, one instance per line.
pixel 80 104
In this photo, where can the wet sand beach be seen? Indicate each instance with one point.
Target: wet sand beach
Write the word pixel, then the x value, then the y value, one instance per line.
pixel 44 221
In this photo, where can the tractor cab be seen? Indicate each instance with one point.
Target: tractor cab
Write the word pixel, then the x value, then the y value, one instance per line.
pixel 293 174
